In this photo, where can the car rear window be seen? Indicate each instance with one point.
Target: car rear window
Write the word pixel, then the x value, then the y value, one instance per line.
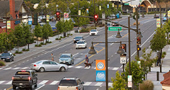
pixel 22 73
pixel 68 83
pixel 93 30
pixel 78 38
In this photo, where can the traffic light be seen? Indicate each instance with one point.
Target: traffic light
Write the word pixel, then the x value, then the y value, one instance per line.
pixel 138 41
pixel 96 18
pixel 139 48
pixel 124 47
pixel 58 15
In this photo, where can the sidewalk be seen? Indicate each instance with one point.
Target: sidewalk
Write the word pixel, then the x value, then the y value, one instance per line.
pixel 165 68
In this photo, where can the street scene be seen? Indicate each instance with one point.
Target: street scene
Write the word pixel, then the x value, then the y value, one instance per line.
pixel 84 45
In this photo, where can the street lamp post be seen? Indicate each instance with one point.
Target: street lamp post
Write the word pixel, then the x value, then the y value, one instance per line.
pixel 137 29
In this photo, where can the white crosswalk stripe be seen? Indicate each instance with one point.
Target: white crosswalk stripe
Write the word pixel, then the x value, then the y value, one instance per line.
pixel 70 67
pixel 55 82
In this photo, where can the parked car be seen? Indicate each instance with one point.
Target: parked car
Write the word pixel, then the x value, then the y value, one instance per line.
pixel 48 65
pixel 81 44
pixel 70 84
pixel 114 24
pixel 93 32
pixel 66 58
pixel 156 16
pixel 24 79
pixel 78 39
pixel 8 57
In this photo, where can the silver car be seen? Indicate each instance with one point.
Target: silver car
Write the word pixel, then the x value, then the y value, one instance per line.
pixel 66 58
pixel 71 84
pixel 48 65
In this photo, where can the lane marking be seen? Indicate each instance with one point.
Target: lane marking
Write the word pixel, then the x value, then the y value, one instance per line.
pixel 43 82
pixel 54 83
pixel 2 82
pixel 98 84
pixel 10 82
pixel 40 87
pixel 87 83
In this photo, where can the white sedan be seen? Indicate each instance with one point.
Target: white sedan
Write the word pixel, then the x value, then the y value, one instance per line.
pixel 93 32
pixel 81 44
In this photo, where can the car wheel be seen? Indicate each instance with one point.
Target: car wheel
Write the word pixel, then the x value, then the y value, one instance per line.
pixel 42 69
pixel 35 85
pixel 14 87
pixel 62 69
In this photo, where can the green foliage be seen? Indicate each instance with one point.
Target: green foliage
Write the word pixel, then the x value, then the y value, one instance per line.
pixel 136 15
pixel 84 30
pixel 146 60
pixel 118 83
pixel 163 54
pixel 158 41
pixel 137 73
pixel 2 63
pixel 147 85
pixel 166 28
pixel 38 31
pixel 19 35
pixel 18 52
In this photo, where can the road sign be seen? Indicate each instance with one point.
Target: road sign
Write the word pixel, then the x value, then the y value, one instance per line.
pixel 107 5
pixel 129 80
pixel 87 10
pixel 79 12
pixel 123 59
pixel 158 22
pixel 66 15
pixel 100 7
pixel 126 3
pixel 8 24
pixel 47 18
pixel 100 76
pixel 100 65
pixel 114 28
pixel 168 13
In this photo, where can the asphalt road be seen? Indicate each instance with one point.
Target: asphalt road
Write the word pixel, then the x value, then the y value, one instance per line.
pixel 49 80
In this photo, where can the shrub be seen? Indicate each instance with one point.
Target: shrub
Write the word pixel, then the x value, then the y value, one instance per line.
pixel 42 43
pixel 23 49
pixel 14 54
pixel 146 85
pixel 61 37
pixel 39 45
pixel 84 30
pixel 36 45
pixel 163 54
pixel 2 63
pixel 18 52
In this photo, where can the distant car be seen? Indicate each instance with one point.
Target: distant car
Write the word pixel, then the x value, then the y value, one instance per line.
pixel 81 44
pixel 42 23
pixel 156 16
pixel 114 24
pixel 78 39
pixel 25 79
pixel 93 32
pixel 8 57
pixel 66 58
pixel 164 18
pixel 70 84
pixel 48 65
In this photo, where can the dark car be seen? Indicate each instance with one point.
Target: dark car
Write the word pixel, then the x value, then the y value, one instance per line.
pixel 25 79
pixel 8 57
pixel 78 39
pixel 156 16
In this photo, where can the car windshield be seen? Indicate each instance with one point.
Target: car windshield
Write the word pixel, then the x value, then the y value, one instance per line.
pixel 68 83
pixel 64 56
pixel 78 38
pixel 93 30
pixel 5 54
pixel 80 42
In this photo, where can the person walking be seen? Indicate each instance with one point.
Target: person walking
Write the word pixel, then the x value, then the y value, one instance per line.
pixel 87 59
pixel 52 57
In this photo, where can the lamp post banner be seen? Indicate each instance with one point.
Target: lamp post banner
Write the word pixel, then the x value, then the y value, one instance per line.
pixel 101 75
pixel 100 65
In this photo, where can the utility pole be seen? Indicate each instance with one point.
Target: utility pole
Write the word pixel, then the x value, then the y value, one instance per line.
pixel 94 14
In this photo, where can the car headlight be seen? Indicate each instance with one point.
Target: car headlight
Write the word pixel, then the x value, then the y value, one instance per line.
pixel 8 58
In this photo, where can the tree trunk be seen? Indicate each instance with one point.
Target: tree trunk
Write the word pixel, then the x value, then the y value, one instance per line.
pixel 167 37
pixel 64 34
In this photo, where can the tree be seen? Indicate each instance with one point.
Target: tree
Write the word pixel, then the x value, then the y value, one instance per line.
pixel 38 31
pixel 137 73
pixel 27 33
pixel 166 27
pixel 118 83
pixel 3 40
pixel 11 39
pixel 158 41
pixel 20 36
pixel 45 32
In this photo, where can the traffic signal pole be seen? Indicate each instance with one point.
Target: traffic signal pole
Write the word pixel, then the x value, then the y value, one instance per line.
pixel 137 30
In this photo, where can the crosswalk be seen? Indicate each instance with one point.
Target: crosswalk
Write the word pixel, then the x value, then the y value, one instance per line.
pixel 48 82
pixel 70 67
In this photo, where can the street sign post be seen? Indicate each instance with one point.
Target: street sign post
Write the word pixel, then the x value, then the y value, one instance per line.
pixel 126 3
pixel 114 28
pixel 123 59
pixel 100 70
